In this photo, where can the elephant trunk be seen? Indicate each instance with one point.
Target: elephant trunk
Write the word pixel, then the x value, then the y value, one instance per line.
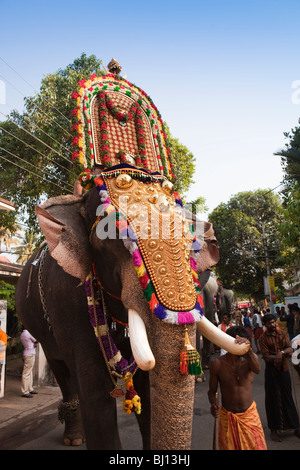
pixel 172 394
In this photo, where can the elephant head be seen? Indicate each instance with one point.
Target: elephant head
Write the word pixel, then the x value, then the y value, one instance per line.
pixel 147 282
pixel 223 300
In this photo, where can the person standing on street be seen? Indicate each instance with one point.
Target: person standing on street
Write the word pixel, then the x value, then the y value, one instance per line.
pixel 281 411
pixel 257 328
pixel 237 314
pixel 29 343
pixel 281 321
pixel 240 426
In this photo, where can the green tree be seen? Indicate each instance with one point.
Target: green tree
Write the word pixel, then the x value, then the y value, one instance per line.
pixel 184 163
pixel 7 292
pixel 239 226
pixel 8 236
pixel 290 226
pixel 290 157
pixel 198 205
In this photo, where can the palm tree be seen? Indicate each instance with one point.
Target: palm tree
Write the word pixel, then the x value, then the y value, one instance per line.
pixel 7 236
pixel 28 247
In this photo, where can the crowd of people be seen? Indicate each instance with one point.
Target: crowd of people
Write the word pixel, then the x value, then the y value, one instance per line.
pixel 273 336
pixel 287 318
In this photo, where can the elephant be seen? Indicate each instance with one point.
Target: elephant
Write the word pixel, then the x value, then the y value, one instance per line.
pixel 223 300
pixel 54 304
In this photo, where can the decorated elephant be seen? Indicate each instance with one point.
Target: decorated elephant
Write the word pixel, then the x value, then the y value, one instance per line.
pixel 114 299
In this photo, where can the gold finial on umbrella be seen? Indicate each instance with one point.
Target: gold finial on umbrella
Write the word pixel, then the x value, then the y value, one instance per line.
pixel 114 67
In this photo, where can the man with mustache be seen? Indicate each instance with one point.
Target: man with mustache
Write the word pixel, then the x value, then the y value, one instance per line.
pixel 275 348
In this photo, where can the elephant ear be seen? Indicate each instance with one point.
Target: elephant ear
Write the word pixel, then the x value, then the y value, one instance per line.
pixel 203 277
pixel 209 253
pixel 61 220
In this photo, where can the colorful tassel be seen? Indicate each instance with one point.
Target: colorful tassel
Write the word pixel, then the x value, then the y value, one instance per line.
pixel 190 363
pixel 132 401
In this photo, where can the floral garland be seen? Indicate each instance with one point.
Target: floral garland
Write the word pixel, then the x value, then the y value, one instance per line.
pixel 130 242
pixel 106 105
pixel 113 357
pixel 89 88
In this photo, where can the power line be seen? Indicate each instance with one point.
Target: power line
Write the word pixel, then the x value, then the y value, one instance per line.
pixel 40 153
pixel 33 124
pixel 270 190
pixel 29 163
pixel 34 89
pixel 35 137
pixel 52 119
pixel 33 173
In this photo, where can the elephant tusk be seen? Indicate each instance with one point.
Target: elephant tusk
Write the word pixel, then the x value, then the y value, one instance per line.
pixel 139 342
pixel 221 339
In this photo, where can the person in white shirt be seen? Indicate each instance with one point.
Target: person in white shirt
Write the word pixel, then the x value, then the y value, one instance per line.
pixel 29 343
pixel 257 327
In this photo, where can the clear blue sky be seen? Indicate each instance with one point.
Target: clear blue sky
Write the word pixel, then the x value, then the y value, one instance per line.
pixel 220 72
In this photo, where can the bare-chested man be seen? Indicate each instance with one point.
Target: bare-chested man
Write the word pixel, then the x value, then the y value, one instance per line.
pixel 239 426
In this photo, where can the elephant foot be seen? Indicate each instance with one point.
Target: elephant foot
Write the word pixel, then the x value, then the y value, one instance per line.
pixel 73 442
pixel 69 413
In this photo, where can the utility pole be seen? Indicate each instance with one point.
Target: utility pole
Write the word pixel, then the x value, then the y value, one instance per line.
pixel 268 269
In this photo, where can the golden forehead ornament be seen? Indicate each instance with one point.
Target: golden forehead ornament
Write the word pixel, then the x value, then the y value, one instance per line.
pixel 163 237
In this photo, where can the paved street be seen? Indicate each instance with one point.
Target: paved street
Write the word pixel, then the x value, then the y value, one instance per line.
pixel 38 428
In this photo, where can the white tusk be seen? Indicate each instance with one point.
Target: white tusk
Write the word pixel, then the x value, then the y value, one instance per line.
pixel 221 339
pixel 139 342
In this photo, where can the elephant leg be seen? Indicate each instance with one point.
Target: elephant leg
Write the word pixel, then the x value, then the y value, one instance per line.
pixel 98 407
pixel 206 353
pixel 95 419
pixel 69 409
pixel 141 385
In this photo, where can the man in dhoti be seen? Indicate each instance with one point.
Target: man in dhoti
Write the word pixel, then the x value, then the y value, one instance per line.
pixel 239 422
